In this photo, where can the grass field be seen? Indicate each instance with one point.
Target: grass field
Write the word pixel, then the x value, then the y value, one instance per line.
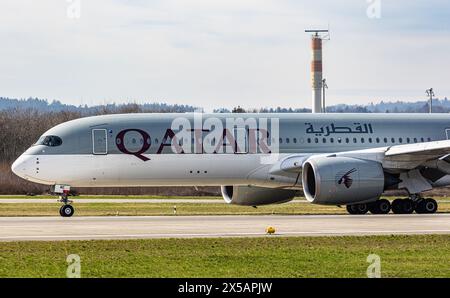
pixel 401 256
pixel 220 208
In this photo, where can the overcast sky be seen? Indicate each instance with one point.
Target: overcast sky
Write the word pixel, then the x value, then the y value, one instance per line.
pixel 222 53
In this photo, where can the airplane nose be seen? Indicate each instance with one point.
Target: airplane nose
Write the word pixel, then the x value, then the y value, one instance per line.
pixel 20 165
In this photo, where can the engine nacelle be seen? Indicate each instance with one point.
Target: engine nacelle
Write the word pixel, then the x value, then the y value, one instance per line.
pixel 255 196
pixel 342 180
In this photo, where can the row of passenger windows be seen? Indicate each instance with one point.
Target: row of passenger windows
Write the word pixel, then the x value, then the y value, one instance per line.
pixel 357 140
pixel 333 140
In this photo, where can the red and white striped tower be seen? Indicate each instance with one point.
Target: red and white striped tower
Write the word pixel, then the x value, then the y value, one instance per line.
pixel 316 73
pixel 316 69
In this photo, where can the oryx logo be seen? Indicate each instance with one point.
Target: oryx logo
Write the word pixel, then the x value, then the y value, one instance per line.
pixel 346 179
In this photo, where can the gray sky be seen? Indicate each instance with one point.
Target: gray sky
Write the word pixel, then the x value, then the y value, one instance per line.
pixel 222 53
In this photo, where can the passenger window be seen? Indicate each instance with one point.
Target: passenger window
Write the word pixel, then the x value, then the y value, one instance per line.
pixel 400 140
pixel 385 140
pixel 422 139
pixel 362 140
pixel 316 140
pixel 332 140
pixel 324 140
pixel 378 140
pixel 309 140
pixel 408 140
pixel 392 140
pixel 287 140
pixel 339 140
pixel 281 141
pixel 429 139
pixel 415 140
pixel 354 140
pixel 295 140
pixel 370 140
pixel 347 140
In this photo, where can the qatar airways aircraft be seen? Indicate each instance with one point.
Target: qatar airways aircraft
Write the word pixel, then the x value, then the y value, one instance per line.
pixel 256 159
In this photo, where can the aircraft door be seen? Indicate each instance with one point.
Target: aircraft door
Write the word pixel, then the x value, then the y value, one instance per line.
pixel 99 142
pixel 447 133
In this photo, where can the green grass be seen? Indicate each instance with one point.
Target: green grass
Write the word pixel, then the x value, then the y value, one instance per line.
pixel 122 209
pixel 271 256
pixel 145 209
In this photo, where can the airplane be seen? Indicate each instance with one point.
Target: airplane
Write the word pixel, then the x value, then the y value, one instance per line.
pixel 256 159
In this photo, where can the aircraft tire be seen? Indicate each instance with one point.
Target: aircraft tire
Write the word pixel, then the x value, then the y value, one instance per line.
pixel 407 206
pixel 397 206
pixel 357 209
pixel 361 208
pixel 66 211
pixel 351 209
pixel 427 206
pixel 382 206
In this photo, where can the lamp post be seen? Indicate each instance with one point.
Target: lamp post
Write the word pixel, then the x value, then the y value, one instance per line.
pixel 324 86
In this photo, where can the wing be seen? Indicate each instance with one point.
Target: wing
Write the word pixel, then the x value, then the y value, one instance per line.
pixel 411 156
pixel 398 158
pixel 417 166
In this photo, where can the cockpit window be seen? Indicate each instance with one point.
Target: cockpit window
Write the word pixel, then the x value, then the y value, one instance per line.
pixel 51 141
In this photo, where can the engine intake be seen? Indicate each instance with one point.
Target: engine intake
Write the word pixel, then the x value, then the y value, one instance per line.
pixel 342 180
pixel 255 195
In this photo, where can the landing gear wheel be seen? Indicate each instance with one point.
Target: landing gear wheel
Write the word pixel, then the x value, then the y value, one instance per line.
pixel 382 206
pixel 403 206
pixel 407 206
pixel 427 206
pixel 351 209
pixel 357 209
pixel 397 206
pixel 66 211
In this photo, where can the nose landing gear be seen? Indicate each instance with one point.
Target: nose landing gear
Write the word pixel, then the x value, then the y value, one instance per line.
pixel 66 209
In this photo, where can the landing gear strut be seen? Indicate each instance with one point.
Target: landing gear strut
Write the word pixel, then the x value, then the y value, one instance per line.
pixel 66 209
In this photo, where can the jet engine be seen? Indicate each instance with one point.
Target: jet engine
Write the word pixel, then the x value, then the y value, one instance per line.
pixel 342 180
pixel 255 196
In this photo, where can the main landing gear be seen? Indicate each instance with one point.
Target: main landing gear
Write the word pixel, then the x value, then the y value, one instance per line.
pixel 398 206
